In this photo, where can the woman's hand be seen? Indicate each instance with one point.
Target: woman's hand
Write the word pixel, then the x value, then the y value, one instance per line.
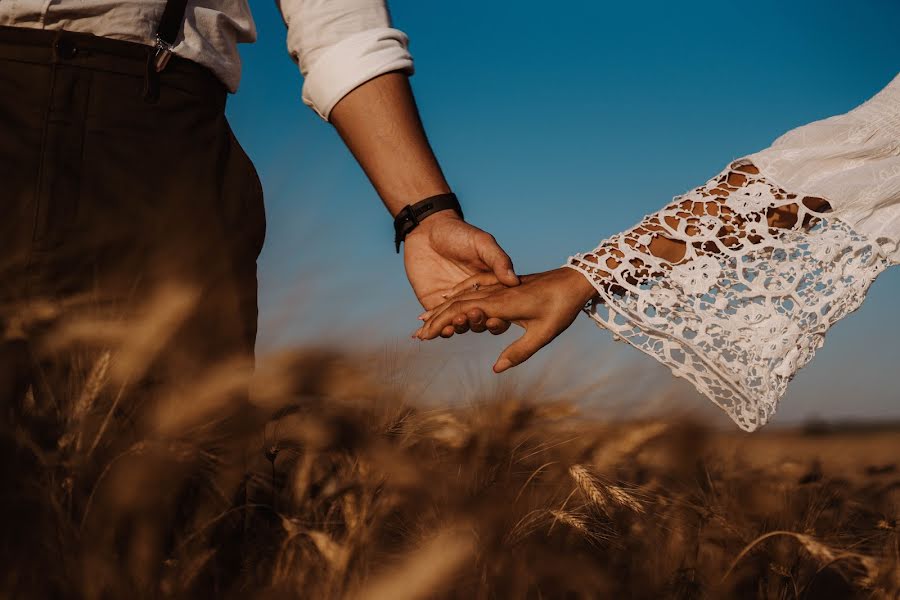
pixel 545 304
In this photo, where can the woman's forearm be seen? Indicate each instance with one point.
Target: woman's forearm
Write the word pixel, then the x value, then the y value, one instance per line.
pixel 708 224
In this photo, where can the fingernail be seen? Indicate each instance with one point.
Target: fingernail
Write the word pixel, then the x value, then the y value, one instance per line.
pixel 502 365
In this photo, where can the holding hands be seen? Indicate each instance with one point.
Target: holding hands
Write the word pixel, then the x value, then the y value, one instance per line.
pixel 544 304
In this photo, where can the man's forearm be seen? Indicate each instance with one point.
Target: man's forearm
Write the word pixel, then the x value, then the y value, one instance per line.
pixel 380 124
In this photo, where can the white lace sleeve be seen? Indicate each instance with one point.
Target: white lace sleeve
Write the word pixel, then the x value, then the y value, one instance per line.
pixel 758 277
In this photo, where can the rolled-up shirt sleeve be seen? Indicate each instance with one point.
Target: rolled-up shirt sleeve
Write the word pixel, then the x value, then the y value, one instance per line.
pixel 341 44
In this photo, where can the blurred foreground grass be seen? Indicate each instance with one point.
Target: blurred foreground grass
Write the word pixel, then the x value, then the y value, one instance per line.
pixel 330 483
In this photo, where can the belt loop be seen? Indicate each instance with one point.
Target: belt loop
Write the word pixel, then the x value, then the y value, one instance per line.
pixel 57 36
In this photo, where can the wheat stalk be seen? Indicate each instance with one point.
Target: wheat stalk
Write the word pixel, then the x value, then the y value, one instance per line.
pixel 603 495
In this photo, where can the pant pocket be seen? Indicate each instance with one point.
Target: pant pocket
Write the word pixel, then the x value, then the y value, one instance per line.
pixel 245 226
pixel 243 202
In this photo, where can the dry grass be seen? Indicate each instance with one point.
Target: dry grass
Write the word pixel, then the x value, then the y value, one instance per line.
pixel 330 484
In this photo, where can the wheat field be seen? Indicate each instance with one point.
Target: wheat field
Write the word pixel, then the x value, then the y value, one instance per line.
pixel 330 483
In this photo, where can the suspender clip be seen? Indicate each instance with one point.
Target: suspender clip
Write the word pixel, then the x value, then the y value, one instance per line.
pixel 162 54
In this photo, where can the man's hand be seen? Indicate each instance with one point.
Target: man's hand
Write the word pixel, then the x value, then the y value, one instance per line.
pixel 380 124
pixel 444 250
pixel 544 304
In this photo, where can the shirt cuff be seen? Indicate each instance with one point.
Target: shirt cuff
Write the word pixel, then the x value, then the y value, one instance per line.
pixel 353 61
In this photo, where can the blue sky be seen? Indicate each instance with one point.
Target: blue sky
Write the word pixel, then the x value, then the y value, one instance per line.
pixel 557 127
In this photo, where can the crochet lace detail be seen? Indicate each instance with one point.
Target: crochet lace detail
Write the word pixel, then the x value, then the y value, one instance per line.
pixel 759 276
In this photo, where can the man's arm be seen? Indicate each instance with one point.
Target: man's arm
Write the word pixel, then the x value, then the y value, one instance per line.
pixel 355 68
pixel 380 124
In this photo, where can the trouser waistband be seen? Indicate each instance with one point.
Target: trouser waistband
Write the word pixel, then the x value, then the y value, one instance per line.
pixel 84 50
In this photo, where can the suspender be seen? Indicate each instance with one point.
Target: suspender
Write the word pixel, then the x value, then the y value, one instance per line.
pixel 166 34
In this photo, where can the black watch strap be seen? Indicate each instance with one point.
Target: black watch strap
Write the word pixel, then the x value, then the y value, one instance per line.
pixel 412 214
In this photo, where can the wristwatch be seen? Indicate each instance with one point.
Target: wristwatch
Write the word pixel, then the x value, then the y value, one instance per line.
pixel 413 214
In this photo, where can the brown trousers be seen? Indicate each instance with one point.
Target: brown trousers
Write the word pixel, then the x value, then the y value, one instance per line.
pixel 107 198
pixel 104 196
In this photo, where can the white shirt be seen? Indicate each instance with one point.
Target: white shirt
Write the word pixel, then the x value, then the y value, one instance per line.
pixel 338 44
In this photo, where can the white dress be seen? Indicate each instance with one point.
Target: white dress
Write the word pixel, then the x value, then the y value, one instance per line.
pixel 777 248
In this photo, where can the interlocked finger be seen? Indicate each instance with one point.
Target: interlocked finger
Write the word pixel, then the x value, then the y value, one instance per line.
pixel 451 308
pixel 477 320
pixel 460 324
pixel 497 326
pixel 439 323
